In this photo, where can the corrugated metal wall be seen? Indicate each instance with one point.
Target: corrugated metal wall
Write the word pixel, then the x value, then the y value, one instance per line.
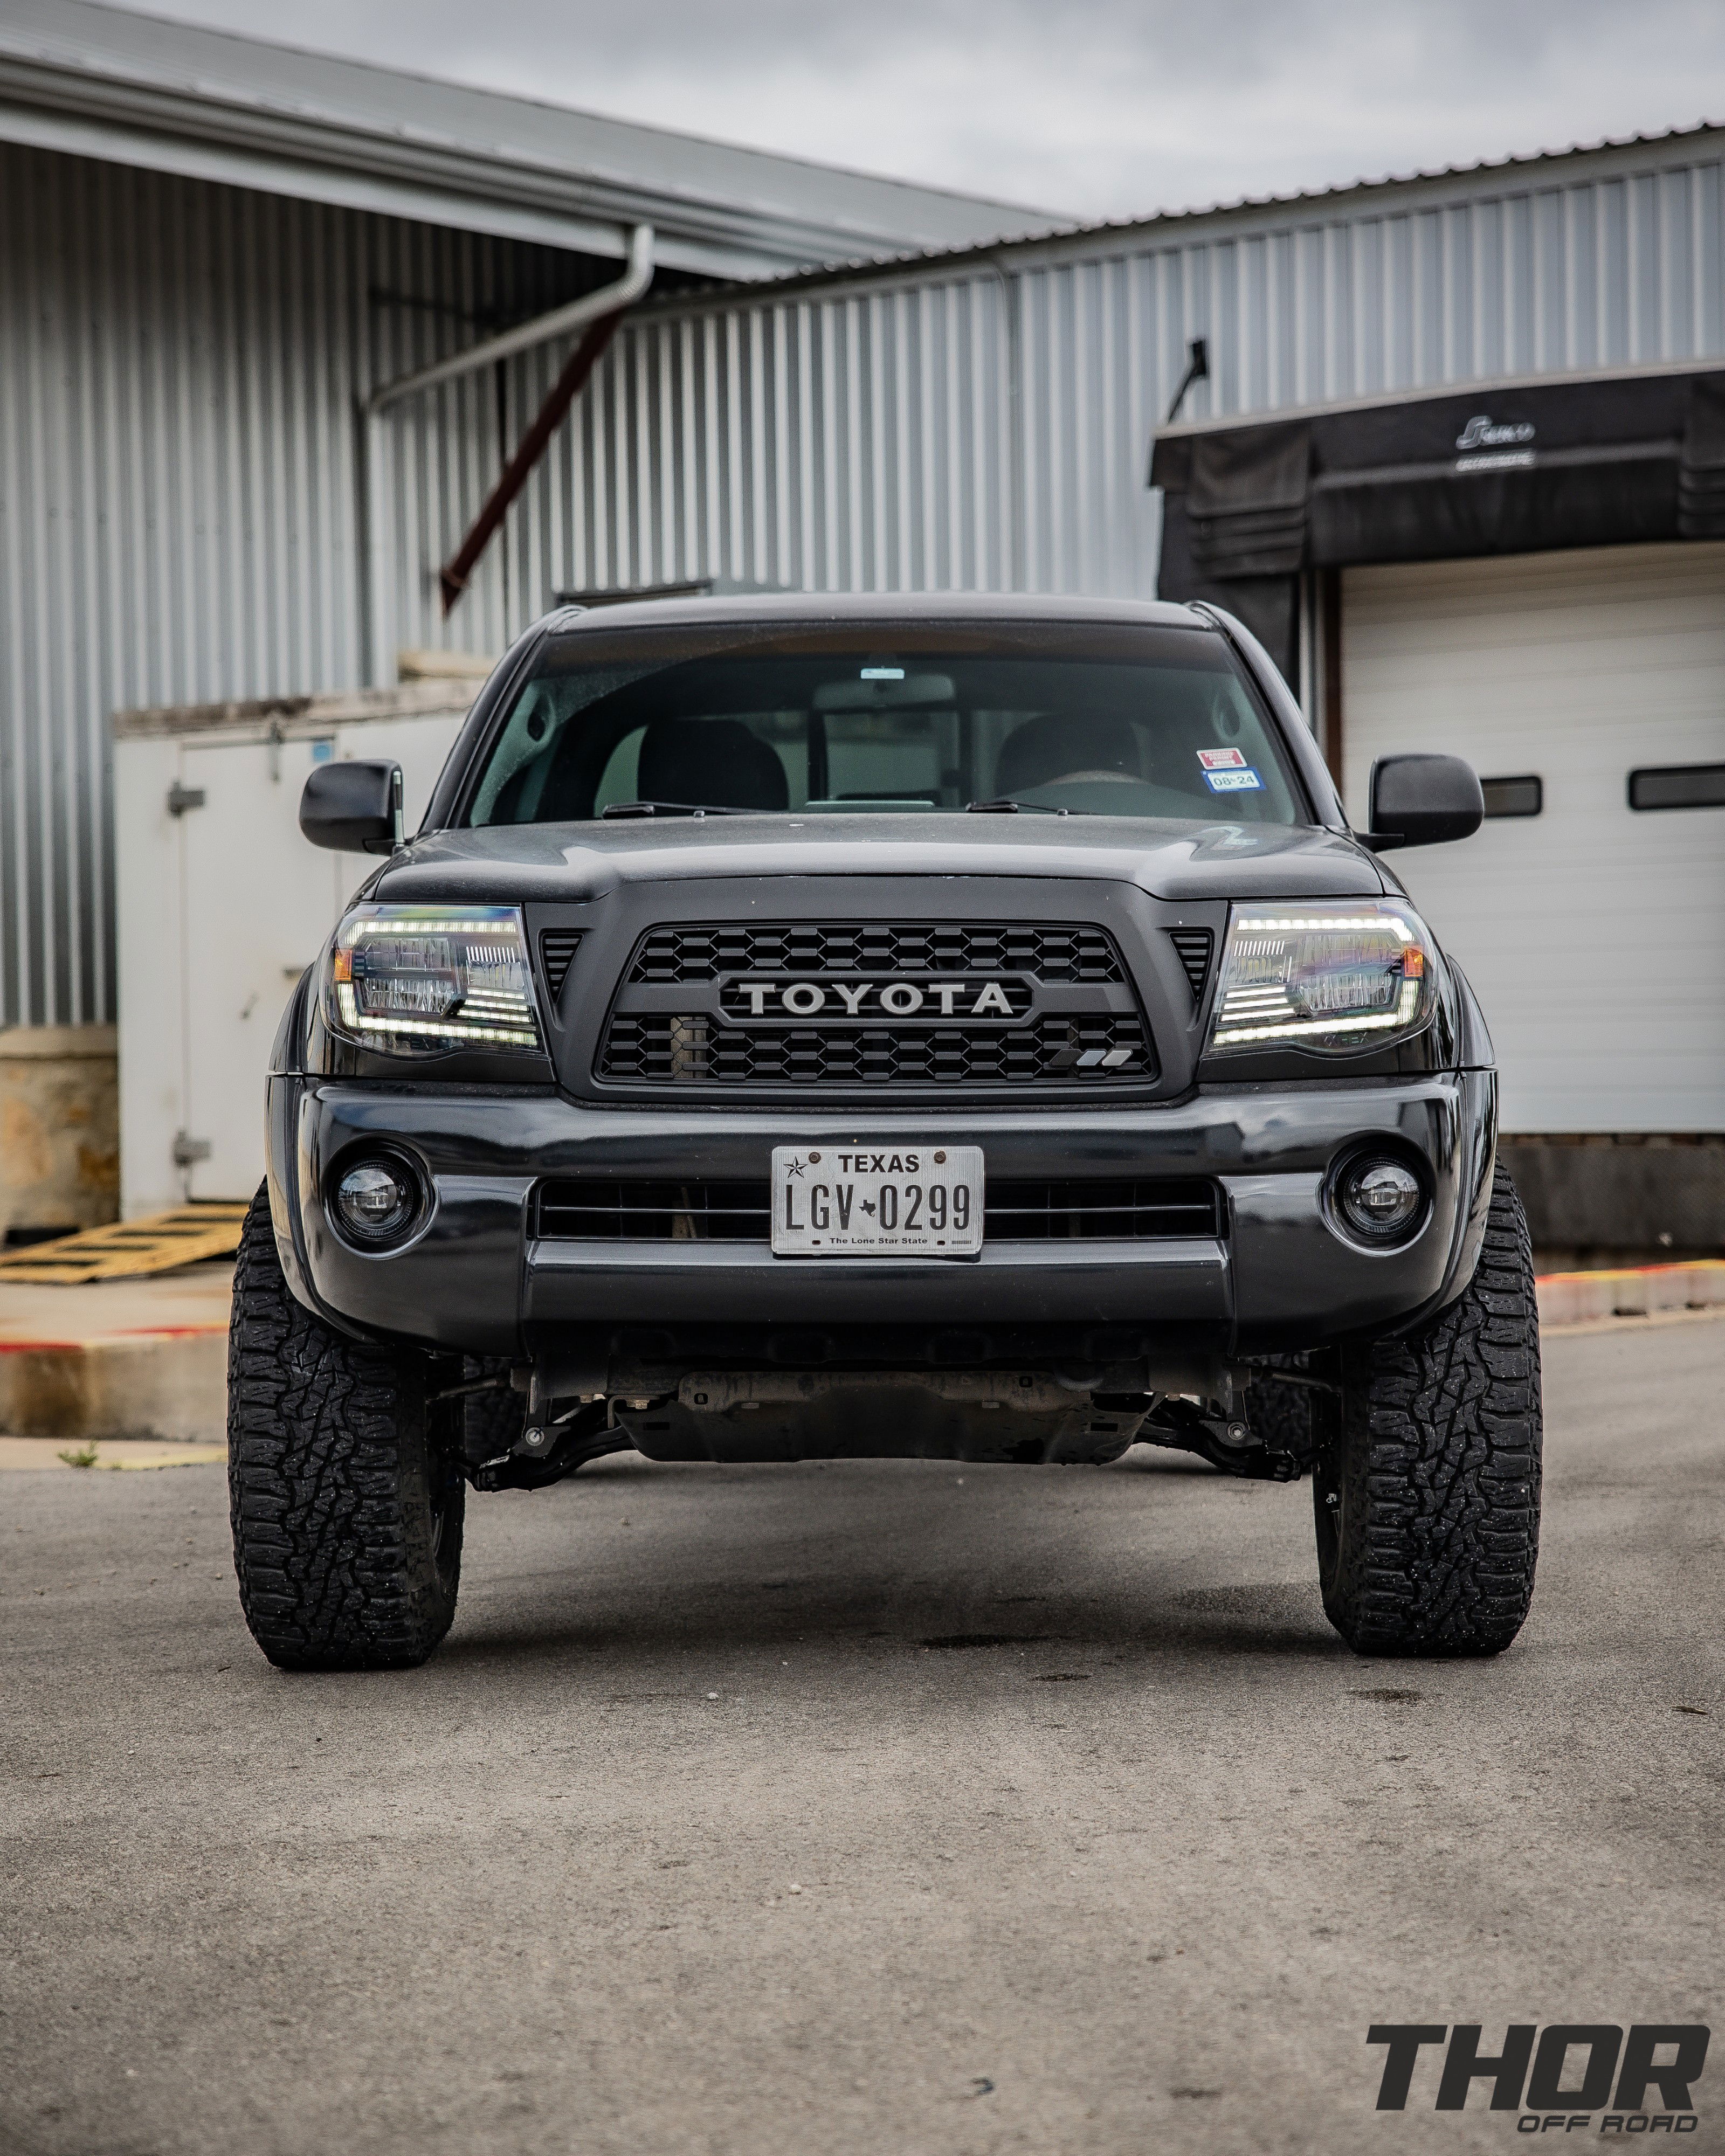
pixel 179 365
pixel 990 427
pixel 857 439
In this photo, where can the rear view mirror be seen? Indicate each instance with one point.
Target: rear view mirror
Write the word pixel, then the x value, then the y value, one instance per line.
pixel 1423 801
pixel 885 689
pixel 353 808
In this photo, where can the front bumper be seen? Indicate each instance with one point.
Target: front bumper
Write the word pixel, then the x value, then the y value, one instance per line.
pixel 474 1278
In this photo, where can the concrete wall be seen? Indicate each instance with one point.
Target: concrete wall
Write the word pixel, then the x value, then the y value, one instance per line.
pixel 60 1127
pixel 1587 1198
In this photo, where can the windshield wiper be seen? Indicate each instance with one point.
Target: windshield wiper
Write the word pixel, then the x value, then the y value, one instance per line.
pixel 1008 808
pixel 667 808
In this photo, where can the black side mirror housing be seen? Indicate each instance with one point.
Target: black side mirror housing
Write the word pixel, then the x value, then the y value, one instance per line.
pixel 1423 801
pixel 353 808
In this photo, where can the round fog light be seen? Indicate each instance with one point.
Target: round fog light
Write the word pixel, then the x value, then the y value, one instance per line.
pixel 375 1201
pixel 1381 1200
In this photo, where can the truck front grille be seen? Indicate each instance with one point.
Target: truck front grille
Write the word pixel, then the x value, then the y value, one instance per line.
pixel 1195 947
pixel 557 950
pixel 668 1051
pixel 800 1006
pixel 809 950
pixel 594 1209
pixel 1093 1212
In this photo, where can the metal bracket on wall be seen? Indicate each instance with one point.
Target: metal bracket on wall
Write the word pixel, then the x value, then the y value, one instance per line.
pixel 189 1151
pixel 180 798
pixel 1198 369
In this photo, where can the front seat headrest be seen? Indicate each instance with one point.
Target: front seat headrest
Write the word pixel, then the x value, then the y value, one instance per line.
pixel 1046 747
pixel 715 762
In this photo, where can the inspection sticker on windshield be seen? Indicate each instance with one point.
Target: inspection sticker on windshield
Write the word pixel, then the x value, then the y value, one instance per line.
pixel 1243 781
pixel 877 1201
pixel 1221 759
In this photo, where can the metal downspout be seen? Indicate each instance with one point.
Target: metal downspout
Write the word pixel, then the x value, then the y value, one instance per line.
pixel 1013 553
pixel 380 591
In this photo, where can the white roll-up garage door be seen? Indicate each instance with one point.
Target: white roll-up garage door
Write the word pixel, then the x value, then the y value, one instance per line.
pixel 1594 934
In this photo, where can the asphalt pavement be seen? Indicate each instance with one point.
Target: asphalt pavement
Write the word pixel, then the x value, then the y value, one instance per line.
pixel 868 1808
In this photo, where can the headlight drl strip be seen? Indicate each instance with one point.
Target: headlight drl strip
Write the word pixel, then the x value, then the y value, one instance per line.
pixel 413 980
pixel 1326 978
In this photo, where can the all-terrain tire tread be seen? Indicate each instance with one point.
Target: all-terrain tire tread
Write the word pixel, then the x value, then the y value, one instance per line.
pixel 492 1421
pixel 1439 1467
pixel 327 1468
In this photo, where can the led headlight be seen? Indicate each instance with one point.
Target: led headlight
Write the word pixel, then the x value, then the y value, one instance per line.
pixel 420 979
pixel 1337 977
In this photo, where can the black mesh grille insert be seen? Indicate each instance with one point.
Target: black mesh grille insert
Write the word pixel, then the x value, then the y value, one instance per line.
pixel 1050 953
pixel 557 948
pixel 656 1049
pixel 1194 946
pixel 806 1005
pixel 595 1211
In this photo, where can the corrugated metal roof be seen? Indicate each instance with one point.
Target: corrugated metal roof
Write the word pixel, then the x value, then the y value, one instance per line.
pixel 1426 188
pixel 133 89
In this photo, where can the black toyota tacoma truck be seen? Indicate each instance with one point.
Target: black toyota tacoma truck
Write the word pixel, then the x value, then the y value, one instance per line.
pixel 817 1028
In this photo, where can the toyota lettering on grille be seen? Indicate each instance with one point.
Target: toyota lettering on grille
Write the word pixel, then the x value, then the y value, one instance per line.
pixel 930 998
pixel 935 1006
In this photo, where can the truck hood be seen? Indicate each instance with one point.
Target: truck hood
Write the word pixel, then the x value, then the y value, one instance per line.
pixel 565 863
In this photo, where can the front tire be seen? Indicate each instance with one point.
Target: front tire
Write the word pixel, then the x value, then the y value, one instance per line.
pixel 344 1491
pixel 1427 1496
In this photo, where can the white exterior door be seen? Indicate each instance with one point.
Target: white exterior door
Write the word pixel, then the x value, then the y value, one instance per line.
pixel 257 904
pixel 1595 934
pixel 257 899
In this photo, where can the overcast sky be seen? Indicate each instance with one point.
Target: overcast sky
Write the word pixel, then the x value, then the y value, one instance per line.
pixel 1100 108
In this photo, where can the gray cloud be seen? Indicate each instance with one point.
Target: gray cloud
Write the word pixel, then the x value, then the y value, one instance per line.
pixel 1100 108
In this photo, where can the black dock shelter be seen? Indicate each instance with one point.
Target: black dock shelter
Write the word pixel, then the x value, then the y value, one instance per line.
pixel 1522 467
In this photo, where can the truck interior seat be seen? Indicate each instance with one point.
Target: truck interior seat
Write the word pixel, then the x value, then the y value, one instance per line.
pixel 1050 746
pixel 716 762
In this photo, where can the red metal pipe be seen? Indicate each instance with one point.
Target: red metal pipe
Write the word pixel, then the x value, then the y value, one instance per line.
pixel 452 578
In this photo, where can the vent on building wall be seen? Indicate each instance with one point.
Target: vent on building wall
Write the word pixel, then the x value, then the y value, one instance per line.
pixel 557 948
pixel 1194 946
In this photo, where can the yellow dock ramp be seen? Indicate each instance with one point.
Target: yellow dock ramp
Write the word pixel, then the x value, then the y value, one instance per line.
pixel 130 1249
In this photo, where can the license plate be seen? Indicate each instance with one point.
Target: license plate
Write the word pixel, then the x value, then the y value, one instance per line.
pixel 876 1201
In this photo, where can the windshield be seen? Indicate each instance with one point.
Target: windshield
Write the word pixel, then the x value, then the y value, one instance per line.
pixel 774 719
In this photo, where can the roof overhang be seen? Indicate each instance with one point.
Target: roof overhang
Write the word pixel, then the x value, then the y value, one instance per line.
pixel 95 81
pixel 227 165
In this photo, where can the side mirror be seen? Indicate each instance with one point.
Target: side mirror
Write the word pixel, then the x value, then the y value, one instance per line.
pixel 353 808
pixel 1423 801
